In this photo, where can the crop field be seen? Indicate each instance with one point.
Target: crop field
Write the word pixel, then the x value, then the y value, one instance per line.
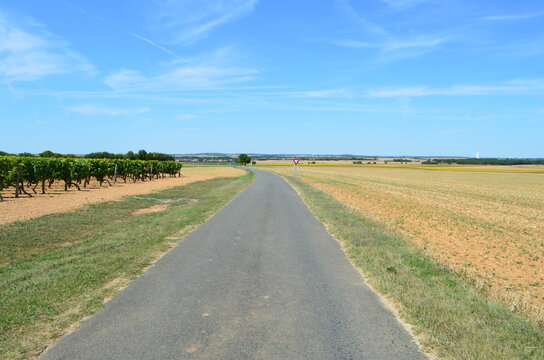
pixel 488 226
pixel 449 167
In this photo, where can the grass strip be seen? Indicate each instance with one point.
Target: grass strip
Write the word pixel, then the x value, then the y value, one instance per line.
pixel 449 316
pixel 57 269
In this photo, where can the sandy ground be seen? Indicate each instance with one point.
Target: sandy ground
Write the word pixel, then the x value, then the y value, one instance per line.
pixel 56 200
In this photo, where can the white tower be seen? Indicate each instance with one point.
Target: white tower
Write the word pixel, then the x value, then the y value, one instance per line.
pixel 477 155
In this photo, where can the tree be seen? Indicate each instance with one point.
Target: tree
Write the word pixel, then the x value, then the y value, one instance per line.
pixel 26 154
pixel 243 159
pixel 253 162
pixel 142 155
pixel 49 153
pixel 100 155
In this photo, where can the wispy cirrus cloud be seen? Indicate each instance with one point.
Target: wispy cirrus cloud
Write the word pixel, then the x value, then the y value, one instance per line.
pixel 220 68
pixel 387 51
pixel 510 88
pixel 448 132
pixel 187 21
pixel 400 4
pixel 512 17
pixel 186 117
pixel 155 44
pixel 92 109
pixel 369 26
pixel 181 78
pixel 392 45
pixel 29 52
pixel 329 93
pixel 389 43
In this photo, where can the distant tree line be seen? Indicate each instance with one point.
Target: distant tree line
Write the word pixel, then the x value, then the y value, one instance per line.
pixel 486 161
pixel 140 155
pixel 206 159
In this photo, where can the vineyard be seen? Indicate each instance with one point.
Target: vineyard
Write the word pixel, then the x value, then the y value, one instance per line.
pixel 26 174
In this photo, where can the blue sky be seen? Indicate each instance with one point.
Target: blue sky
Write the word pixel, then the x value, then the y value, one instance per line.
pixel 374 77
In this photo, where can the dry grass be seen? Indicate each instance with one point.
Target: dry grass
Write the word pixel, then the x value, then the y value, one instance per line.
pixel 151 209
pixel 488 226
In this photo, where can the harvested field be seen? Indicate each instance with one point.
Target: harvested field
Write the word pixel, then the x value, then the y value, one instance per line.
pixel 56 200
pixel 489 226
pixel 415 166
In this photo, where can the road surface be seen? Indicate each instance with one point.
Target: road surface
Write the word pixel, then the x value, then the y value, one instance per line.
pixel 262 279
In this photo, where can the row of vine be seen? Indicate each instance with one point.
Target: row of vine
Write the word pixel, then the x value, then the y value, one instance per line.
pixel 25 174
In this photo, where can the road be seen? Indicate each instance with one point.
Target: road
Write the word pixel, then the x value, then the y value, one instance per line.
pixel 262 279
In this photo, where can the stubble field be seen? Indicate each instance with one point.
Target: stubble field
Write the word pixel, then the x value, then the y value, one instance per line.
pixel 487 225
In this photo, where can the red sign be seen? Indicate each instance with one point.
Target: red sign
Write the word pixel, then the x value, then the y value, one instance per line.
pixel 296 161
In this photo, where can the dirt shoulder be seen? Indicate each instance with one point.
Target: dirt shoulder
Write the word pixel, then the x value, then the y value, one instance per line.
pixel 56 200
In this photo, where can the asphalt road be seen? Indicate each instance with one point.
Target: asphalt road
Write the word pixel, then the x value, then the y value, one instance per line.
pixel 262 279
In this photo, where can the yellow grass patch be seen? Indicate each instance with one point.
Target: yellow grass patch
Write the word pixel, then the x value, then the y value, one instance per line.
pixel 151 209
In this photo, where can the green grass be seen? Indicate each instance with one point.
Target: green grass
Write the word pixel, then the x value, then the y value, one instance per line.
pixel 448 314
pixel 53 269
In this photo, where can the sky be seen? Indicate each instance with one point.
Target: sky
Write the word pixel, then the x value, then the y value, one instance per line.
pixel 368 77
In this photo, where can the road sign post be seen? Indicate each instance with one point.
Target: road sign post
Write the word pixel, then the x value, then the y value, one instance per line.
pixel 295 161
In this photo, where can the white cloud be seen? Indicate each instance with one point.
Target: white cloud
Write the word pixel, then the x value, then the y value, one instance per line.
pixel 186 116
pixel 391 45
pixel 29 52
pixel 369 26
pixel 330 93
pixel 91 109
pixel 208 71
pixel 124 78
pixel 196 77
pixel 190 20
pixel 510 88
pixel 512 17
pixel 399 92
pixel 453 131
pixel 401 4
pixel 391 50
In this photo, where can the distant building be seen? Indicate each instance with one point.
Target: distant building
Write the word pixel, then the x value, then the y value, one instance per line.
pixel 477 155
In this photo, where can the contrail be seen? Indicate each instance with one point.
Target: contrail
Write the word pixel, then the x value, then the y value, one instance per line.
pixel 154 44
